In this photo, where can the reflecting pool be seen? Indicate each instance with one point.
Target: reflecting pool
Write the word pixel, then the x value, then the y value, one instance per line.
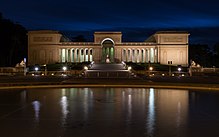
pixel 109 112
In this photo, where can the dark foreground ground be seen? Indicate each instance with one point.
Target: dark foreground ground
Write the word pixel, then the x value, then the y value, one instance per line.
pixel 195 81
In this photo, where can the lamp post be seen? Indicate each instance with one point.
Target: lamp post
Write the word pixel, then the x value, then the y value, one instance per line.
pixel 45 69
pixel 179 70
pixel 36 69
pixel 64 69
pixel 150 69
pixel 169 63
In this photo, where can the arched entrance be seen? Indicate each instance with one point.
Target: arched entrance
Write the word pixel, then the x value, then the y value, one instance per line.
pixel 107 50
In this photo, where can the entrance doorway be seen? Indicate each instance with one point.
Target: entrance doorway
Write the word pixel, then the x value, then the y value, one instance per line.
pixel 107 50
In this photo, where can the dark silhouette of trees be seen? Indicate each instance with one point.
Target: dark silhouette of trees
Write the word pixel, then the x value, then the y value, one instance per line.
pixel 216 54
pixel 13 40
pixel 201 54
pixel 79 38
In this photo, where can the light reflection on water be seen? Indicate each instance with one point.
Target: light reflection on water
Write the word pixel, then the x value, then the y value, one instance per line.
pixel 107 112
pixel 64 106
pixel 151 115
pixel 36 107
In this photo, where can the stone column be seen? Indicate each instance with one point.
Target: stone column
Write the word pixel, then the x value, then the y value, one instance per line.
pixel 70 55
pixel 66 55
pixel 60 55
pixel 149 54
pixel 155 55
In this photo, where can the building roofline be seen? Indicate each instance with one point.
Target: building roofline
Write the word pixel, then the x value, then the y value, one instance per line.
pixel 107 32
pixel 43 31
pixel 172 32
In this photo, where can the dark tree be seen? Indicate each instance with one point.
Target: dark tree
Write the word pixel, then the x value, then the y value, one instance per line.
pixel 216 54
pixel 201 54
pixel 13 42
pixel 79 38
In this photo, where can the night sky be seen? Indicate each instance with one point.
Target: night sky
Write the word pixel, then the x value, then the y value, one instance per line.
pixel 137 19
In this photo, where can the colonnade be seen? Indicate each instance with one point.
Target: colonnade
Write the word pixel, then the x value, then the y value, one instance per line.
pixel 140 55
pixel 76 54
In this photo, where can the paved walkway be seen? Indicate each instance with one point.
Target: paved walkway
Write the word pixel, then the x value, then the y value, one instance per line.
pixel 204 83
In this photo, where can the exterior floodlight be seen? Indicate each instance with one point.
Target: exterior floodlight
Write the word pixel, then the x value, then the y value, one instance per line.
pixel 64 68
pixel 85 67
pixel 129 68
pixel 150 68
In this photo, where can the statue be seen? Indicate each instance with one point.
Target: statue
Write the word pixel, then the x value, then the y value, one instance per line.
pixel 21 64
pixel 107 59
pixel 193 64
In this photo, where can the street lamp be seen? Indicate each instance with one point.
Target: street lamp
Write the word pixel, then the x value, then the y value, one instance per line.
pixel 179 70
pixel 150 69
pixel 36 69
pixel 45 69
pixel 85 68
pixel 64 68
pixel 170 63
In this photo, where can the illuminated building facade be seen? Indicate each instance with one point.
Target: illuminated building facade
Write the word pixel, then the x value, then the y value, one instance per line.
pixel 164 47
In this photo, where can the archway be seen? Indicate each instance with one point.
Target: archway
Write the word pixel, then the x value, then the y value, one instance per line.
pixel 107 50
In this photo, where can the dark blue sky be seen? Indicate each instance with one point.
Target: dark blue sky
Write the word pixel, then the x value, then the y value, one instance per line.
pixel 137 19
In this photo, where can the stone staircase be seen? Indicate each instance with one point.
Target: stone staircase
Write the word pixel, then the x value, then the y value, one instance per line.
pixel 117 70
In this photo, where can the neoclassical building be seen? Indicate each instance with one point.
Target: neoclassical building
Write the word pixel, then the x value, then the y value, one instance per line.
pixel 164 47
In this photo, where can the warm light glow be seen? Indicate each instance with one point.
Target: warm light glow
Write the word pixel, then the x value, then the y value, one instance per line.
pixel 64 68
pixel 151 112
pixel 36 68
pixel 36 107
pixel 129 68
pixel 163 74
pixel 52 74
pixel 64 107
pixel 179 69
pixel 85 67
pixel 150 68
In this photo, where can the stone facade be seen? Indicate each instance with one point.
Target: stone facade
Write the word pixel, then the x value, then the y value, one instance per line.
pixel 165 47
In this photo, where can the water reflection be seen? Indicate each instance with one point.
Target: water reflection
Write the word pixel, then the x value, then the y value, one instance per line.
pixel 23 97
pixel 111 112
pixel 129 107
pixel 36 107
pixel 64 107
pixel 151 113
pixel 87 101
